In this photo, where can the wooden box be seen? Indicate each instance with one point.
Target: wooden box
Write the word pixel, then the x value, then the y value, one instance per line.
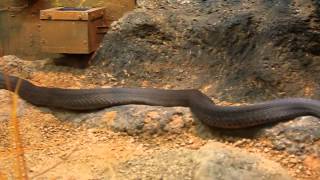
pixel 72 30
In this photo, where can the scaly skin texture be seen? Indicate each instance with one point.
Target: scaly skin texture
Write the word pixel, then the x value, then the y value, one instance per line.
pixel 203 107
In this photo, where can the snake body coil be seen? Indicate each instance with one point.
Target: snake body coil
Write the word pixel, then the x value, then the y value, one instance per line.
pixel 201 105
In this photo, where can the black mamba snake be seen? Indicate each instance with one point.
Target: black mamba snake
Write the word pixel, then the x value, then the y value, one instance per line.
pixel 202 106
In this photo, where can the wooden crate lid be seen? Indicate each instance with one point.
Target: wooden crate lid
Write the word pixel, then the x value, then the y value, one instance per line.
pixel 75 14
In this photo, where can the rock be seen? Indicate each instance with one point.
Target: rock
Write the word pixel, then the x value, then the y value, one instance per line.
pixel 297 136
pixel 217 161
pixel 252 51
pixel 135 119
pixel 213 161
pixel 11 64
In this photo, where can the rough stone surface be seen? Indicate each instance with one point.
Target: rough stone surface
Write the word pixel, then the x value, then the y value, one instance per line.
pixel 135 119
pixel 216 161
pixel 213 161
pixel 298 136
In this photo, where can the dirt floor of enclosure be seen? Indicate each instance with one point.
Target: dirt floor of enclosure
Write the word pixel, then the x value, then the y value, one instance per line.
pixel 56 149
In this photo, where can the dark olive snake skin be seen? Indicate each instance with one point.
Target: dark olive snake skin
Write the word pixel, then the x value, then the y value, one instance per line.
pixel 205 110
